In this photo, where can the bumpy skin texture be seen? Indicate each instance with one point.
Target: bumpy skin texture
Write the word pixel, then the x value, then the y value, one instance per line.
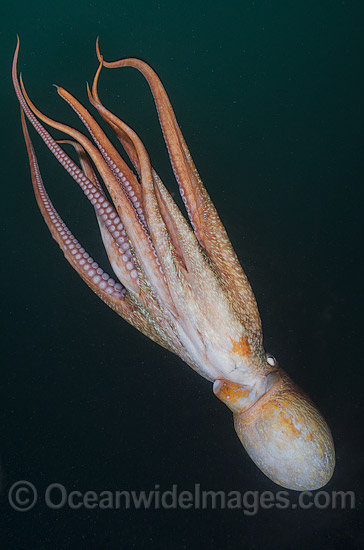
pixel 179 282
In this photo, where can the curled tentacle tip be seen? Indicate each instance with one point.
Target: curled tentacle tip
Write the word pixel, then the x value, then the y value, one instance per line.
pixel 98 53
pixel 21 82
pixel 90 96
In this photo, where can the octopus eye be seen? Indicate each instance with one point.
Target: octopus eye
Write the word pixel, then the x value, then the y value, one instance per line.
pixel 271 360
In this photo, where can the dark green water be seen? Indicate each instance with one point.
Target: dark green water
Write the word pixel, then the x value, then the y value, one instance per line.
pixel 269 96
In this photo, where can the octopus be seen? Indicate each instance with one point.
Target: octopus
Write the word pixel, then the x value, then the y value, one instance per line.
pixel 176 277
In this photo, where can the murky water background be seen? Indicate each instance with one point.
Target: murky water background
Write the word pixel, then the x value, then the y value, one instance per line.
pixel 270 99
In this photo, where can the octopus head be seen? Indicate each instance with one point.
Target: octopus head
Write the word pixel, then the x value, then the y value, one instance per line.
pixel 282 431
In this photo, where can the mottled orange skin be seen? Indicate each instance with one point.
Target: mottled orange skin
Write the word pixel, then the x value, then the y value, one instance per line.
pixel 285 422
pixel 242 347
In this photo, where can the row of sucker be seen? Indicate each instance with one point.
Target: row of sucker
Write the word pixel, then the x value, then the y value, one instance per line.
pixel 118 174
pixel 125 185
pixel 143 224
pixel 84 261
pixel 97 198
